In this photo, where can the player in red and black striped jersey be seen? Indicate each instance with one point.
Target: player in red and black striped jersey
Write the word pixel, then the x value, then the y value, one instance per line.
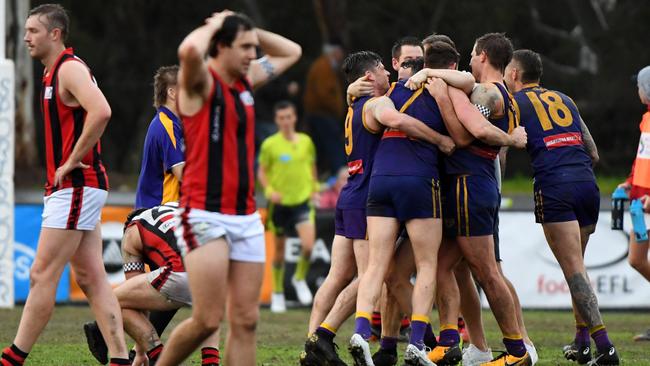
pixel 149 239
pixel 75 113
pixel 221 234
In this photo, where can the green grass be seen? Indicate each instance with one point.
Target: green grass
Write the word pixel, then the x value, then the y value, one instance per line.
pixel 281 336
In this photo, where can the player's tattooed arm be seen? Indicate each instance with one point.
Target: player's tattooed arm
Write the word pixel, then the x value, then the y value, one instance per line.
pixel 585 299
pixel 590 144
pixel 488 97
pixel 280 54
pixel 481 128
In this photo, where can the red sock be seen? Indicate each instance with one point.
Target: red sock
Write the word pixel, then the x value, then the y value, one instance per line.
pixel 376 319
pixel 13 356
pixel 406 322
pixel 209 356
pixel 119 362
pixel 154 353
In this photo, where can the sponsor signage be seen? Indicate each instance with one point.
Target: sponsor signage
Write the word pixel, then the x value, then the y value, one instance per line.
pixel 530 265
pixel 28 228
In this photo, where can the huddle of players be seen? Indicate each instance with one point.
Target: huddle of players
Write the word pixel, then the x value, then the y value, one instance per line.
pixel 398 181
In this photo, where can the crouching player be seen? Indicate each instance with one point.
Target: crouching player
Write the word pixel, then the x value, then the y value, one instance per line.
pixel 149 239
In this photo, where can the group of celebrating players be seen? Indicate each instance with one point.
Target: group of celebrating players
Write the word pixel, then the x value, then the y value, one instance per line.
pixel 422 198
pixel 436 215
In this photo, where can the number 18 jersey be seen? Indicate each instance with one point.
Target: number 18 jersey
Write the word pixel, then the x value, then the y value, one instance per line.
pixel 555 142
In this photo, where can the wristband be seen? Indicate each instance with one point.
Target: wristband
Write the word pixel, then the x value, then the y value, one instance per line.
pixel 133 267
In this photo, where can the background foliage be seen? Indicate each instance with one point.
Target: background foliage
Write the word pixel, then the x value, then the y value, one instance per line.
pixel 592 50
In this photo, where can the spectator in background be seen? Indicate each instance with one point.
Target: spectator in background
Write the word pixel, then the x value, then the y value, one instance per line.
pixel 329 197
pixel 287 172
pixel 324 107
pixel 637 185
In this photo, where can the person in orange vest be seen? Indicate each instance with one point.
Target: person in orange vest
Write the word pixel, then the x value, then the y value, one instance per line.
pixel 637 185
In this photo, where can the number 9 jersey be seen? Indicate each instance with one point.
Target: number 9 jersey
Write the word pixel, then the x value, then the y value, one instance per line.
pixel 555 145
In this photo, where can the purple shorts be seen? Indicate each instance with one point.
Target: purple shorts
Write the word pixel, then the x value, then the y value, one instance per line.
pixel 351 223
pixel 578 201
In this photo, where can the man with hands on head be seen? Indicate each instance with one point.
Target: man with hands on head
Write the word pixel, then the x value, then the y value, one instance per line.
pixel 221 235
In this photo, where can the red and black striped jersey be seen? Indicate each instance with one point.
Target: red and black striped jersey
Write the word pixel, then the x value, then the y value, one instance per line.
pixel 62 128
pixel 219 151
pixel 156 227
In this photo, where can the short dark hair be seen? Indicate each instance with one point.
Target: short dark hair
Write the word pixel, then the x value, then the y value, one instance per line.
pixel 228 32
pixel 283 104
pixel 530 64
pixel 165 77
pixel 415 64
pixel 396 51
pixel 433 38
pixel 498 49
pixel 440 55
pixel 56 16
pixel 356 64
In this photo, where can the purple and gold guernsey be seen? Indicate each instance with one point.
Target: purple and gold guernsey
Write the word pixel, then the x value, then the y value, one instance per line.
pixel 360 146
pixel 478 158
pixel 555 145
pixel 399 155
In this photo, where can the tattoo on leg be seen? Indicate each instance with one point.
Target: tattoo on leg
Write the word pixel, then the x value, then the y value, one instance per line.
pixel 585 299
pixel 152 339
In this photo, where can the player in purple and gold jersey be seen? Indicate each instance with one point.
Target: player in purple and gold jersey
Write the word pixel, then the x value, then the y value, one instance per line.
pixel 162 155
pixel 567 198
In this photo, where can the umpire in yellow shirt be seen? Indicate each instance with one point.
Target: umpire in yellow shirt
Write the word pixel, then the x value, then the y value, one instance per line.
pixel 287 171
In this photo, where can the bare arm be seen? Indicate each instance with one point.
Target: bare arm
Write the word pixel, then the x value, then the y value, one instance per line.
pixel 132 253
pixel 359 88
pixel 488 96
pixel 261 175
pixel 458 79
pixel 383 110
pixel 280 54
pixel 177 170
pixel 269 192
pixel 479 127
pixel 438 89
pixel 76 84
pixel 193 76
pixel 590 144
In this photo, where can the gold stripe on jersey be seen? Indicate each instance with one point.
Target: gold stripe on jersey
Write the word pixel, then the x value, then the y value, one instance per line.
pixel 169 126
pixel 411 99
pixel 363 117
pixel 390 90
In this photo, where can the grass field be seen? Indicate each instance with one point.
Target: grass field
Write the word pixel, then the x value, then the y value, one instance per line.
pixel 281 336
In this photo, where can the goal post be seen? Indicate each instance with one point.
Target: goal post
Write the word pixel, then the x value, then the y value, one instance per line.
pixel 7 143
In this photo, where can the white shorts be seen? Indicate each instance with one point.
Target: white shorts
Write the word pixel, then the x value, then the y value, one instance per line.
pixel 74 208
pixel 244 233
pixel 173 285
